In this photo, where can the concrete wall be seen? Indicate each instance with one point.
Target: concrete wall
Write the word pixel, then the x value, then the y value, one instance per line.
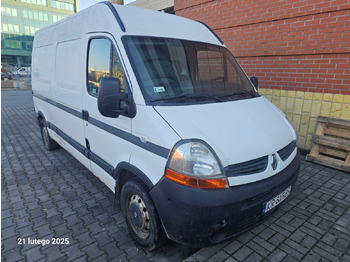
pixel 298 49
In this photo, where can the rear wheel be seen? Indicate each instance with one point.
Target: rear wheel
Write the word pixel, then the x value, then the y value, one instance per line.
pixel 141 215
pixel 49 143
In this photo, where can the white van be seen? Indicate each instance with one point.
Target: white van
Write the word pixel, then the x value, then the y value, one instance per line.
pixel 157 107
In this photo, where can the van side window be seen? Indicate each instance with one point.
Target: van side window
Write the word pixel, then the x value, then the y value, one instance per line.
pixel 103 61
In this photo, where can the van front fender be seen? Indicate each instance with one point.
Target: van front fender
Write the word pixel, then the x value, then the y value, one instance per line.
pixel 125 171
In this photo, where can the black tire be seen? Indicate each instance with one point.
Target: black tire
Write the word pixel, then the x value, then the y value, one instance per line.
pixel 141 215
pixel 49 143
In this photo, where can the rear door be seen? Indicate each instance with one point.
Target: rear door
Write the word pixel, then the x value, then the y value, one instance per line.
pixel 106 138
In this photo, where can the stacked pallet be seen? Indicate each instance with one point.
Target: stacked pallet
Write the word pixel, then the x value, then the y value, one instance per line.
pixel 331 143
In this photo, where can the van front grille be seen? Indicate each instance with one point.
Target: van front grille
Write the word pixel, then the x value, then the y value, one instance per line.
pixel 285 152
pixel 246 168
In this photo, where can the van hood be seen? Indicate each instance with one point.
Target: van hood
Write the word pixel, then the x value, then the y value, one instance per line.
pixel 238 131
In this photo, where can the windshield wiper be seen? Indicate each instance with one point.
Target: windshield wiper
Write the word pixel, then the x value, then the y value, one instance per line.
pixel 187 96
pixel 239 93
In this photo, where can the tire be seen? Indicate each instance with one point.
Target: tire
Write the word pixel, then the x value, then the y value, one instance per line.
pixel 141 215
pixel 49 143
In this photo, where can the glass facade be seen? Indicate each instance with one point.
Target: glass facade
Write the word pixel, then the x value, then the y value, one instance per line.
pixel 19 21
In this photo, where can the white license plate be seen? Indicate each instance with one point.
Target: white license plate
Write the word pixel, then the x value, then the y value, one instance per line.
pixel 276 200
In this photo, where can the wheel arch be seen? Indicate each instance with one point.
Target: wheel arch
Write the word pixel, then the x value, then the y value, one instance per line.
pixel 122 173
pixel 40 116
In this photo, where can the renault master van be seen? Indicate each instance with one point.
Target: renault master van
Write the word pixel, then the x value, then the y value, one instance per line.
pixel 159 110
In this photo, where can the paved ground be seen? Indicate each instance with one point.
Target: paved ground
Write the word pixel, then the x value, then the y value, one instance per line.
pixel 46 195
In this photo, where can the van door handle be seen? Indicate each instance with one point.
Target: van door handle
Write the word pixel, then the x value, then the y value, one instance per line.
pixel 85 115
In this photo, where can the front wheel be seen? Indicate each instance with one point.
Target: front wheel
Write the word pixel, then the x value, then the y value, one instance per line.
pixel 141 215
pixel 49 143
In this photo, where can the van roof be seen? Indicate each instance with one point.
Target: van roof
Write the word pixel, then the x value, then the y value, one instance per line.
pixel 140 21
pixel 127 20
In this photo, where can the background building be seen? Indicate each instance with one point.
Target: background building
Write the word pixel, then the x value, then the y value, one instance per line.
pixel 299 50
pixel 19 21
pixel 158 5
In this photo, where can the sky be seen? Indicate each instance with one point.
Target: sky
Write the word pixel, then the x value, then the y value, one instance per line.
pixel 86 3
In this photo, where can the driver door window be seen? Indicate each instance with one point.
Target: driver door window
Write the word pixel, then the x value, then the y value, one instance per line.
pixel 103 61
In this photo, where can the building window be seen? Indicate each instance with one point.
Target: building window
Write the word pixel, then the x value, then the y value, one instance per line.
pixel 10 28
pixel 16 28
pixel 12 44
pixel 35 2
pixel 5 28
pixel 35 15
pixel 62 5
pixel 8 11
pixel 56 18
pixel 14 12
pixel 30 30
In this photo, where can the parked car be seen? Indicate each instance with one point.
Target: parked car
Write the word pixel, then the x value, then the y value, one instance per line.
pixel 23 71
pixel 7 75
pixel 174 128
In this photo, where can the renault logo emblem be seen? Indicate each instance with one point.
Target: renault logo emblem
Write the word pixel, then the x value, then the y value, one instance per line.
pixel 274 162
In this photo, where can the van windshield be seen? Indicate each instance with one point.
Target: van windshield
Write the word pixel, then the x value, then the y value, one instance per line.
pixel 172 71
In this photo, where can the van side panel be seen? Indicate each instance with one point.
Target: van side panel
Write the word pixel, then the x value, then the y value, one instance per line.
pixel 42 76
pixel 68 76
pixel 61 99
pixel 43 60
pixel 68 89
pixel 57 82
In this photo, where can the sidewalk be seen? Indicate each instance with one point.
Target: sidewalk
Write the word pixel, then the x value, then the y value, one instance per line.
pixel 50 195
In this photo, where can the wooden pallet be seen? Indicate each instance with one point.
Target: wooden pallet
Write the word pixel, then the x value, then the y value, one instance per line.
pixel 331 143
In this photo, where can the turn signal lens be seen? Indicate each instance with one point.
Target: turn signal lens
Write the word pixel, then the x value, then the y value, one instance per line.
pixel 195 182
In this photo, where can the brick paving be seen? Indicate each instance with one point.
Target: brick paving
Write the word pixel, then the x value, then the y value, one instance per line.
pixel 47 195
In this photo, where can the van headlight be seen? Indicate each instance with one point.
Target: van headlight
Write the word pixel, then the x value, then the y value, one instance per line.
pixel 193 163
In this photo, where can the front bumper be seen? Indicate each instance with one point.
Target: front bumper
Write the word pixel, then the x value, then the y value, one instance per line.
pixel 203 217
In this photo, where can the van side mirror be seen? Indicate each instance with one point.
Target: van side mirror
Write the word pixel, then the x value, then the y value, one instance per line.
pixel 111 101
pixel 255 82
